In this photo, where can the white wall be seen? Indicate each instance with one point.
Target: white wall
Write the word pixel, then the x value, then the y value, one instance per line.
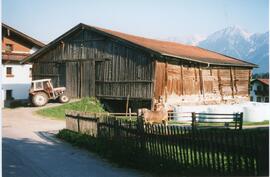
pixel 252 111
pixel 19 84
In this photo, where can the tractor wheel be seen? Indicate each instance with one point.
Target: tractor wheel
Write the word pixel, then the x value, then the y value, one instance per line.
pixel 63 99
pixel 40 99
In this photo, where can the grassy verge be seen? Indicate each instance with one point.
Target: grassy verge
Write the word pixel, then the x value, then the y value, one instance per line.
pixel 86 104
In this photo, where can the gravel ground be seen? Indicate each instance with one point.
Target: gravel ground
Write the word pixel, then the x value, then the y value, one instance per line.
pixel 30 150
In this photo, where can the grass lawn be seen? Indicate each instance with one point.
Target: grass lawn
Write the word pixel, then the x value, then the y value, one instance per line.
pixel 93 105
pixel 86 104
pixel 266 122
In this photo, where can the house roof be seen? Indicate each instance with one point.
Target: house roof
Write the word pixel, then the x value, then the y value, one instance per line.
pixel 164 48
pixel 26 37
pixel 263 81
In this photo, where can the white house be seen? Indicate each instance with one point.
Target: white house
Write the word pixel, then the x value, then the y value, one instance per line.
pixel 259 91
pixel 16 77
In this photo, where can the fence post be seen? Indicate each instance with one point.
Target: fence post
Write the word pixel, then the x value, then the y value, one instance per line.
pixel 78 122
pixel 116 128
pixel 97 125
pixel 193 124
pixel 129 111
pixel 140 134
pixel 241 121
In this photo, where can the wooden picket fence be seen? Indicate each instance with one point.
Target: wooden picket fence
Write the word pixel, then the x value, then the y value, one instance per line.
pixel 223 152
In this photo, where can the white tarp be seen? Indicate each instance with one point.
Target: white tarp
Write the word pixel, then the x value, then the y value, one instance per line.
pixel 252 111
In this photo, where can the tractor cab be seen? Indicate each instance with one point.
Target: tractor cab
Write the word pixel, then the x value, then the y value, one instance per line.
pixel 42 91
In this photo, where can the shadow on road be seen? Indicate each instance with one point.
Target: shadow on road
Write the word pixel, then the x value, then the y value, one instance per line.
pixel 17 163
pixel 51 157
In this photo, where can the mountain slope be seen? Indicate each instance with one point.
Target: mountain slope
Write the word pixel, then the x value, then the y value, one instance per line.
pixel 239 43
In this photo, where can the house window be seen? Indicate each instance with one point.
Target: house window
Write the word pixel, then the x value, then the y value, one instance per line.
pixel 30 72
pixel 259 99
pixel 9 47
pixel 266 99
pixel 9 72
pixel 259 88
pixel 9 95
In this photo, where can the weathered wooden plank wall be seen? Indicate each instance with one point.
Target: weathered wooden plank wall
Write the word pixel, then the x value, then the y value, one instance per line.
pixel 222 83
pixel 90 64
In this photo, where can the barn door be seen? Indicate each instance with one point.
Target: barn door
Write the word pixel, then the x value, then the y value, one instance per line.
pixel 72 79
pixel 87 78
pixel 62 75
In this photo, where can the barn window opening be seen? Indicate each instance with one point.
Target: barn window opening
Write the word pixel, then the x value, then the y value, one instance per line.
pixel 9 72
pixel 251 98
pixel 30 72
pixel 9 95
pixel 9 47
pixel 259 99
pixel 266 99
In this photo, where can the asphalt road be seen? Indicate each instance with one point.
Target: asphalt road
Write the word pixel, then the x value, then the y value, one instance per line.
pixel 31 150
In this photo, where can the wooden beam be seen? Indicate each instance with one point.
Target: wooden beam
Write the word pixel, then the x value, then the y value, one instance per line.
pixel 249 79
pixel 60 61
pixel 182 80
pixel 232 81
pixel 201 82
pixel 47 75
pixel 109 97
pixel 88 40
pixel 81 70
pixel 127 105
pixel 166 81
pixel 220 84
pixel 235 82
pixel 125 81
pixel 154 69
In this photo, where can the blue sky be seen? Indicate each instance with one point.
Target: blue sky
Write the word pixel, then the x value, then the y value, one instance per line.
pixel 47 19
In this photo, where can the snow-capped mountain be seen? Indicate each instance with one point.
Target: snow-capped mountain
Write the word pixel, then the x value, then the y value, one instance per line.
pixel 236 42
pixel 189 40
pixel 239 43
pixel 232 41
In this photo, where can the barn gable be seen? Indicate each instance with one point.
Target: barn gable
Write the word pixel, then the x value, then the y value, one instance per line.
pixel 92 61
pixel 91 64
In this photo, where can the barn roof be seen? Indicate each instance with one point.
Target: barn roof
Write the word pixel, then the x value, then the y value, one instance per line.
pixel 24 36
pixel 164 48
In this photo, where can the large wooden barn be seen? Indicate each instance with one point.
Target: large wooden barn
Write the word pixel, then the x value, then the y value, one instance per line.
pixel 112 66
